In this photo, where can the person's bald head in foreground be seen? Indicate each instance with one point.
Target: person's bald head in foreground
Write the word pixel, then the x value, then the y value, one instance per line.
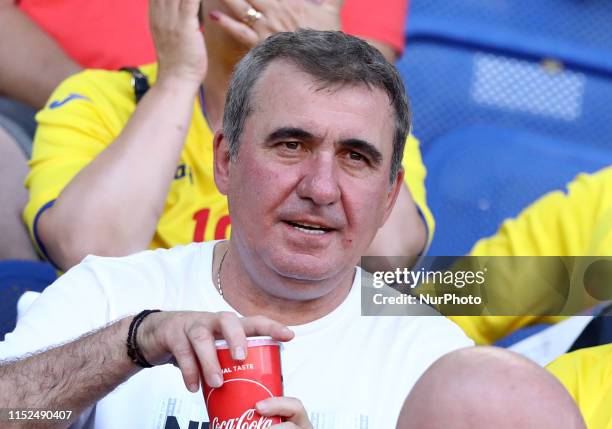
pixel 488 387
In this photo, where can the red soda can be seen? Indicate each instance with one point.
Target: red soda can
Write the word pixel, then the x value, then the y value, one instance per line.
pixel 232 406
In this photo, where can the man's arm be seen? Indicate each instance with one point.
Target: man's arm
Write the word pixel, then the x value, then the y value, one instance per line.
pixel 113 205
pixel 31 64
pixel 70 377
pixel 76 375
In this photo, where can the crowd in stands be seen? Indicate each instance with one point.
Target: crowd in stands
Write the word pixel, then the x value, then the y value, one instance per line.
pixel 112 118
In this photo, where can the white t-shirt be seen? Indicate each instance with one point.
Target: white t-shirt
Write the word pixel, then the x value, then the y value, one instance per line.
pixel 349 371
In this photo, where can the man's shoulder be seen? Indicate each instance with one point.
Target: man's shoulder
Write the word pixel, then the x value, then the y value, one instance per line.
pixel 160 258
pixel 154 270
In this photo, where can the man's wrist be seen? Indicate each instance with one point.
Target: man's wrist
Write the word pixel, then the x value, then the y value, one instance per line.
pixel 146 338
pixel 175 83
pixel 134 351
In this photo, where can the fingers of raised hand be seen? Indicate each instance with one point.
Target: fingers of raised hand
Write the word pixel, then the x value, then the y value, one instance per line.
pixel 240 31
pixel 265 17
pixel 167 14
pixel 238 8
pixel 160 13
pixel 178 40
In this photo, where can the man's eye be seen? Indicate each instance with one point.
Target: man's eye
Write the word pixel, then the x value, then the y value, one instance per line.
pixel 291 145
pixel 356 156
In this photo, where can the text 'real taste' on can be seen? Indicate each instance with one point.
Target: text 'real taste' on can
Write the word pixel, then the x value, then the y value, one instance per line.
pixel 244 384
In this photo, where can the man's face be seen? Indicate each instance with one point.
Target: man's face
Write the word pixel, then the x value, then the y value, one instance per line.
pixel 310 187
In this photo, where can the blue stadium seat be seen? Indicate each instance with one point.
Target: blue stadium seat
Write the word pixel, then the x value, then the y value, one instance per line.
pixel 17 277
pixel 480 175
pixel 540 69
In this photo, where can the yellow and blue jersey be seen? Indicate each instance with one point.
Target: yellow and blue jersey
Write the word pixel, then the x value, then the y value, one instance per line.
pixel 575 222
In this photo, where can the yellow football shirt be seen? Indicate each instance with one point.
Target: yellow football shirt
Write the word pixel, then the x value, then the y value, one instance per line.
pixel 573 223
pixel 587 375
pixel 87 112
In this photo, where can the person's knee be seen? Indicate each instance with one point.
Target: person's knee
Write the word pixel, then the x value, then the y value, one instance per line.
pixel 488 387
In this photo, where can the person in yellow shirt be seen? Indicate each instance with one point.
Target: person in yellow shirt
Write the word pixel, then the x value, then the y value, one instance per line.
pixel 587 375
pixel 111 176
pixel 572 223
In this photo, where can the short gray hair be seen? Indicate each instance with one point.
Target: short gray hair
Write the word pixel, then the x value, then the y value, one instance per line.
pixel 333 58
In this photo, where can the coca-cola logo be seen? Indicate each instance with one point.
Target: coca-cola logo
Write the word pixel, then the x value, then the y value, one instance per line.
pixel 232 406
pixel 248 420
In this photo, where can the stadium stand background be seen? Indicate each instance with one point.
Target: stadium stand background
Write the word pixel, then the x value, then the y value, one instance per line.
pixel 510 100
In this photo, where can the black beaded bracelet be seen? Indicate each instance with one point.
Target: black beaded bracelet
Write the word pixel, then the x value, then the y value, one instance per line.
pixel 133 350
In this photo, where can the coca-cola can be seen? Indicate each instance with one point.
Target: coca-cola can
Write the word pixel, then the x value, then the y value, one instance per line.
pixel 244 384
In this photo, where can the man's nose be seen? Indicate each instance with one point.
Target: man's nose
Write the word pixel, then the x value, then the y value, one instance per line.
pixel 320 182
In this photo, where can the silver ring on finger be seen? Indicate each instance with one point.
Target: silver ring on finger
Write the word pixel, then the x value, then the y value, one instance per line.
pixel 251 16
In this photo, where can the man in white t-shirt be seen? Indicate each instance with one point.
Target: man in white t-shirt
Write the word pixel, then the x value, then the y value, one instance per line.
pixel 309 157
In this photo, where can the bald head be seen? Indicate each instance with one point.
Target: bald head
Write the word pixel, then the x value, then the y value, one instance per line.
pixel 485 387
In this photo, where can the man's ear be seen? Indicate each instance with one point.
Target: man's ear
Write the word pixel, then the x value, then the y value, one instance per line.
pixel 394 190
pixel 221 162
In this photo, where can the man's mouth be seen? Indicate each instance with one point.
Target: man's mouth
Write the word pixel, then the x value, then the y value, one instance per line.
pixel 309 228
